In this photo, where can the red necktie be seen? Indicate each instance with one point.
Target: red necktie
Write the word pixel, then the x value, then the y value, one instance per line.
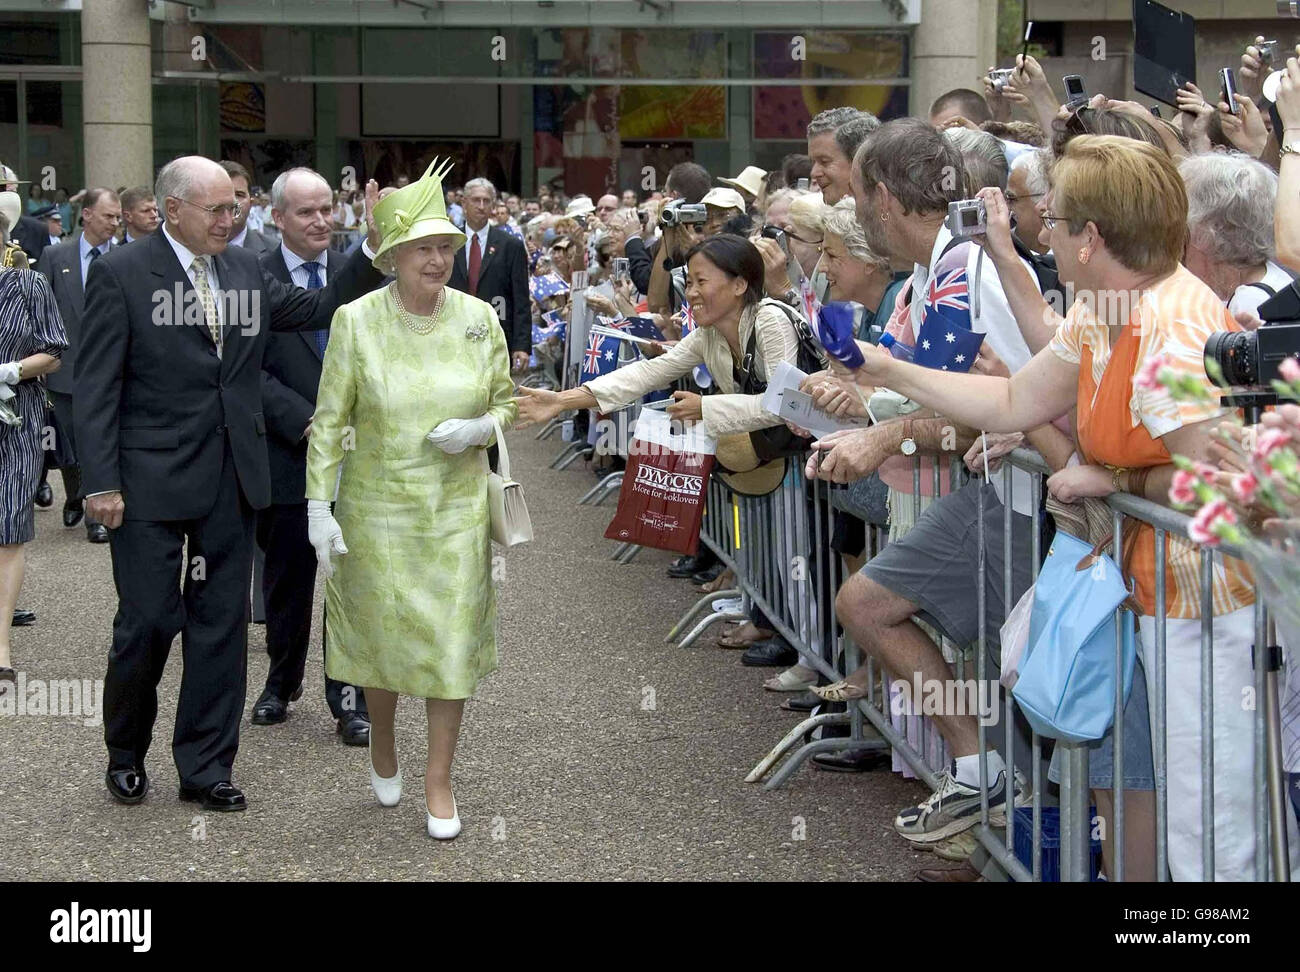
pixel 475 259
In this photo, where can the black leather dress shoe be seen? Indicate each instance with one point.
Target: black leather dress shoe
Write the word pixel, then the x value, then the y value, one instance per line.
pixel 853 760
pixel 96 533
pixel 223 797
pixel 127 784
pixel 354 728
pixel 44 496
pixel 270 711
pixel 771 652
pixel 691 564
pixel 708 574
pixel 23 617
pixel 803 702
pixel 72 515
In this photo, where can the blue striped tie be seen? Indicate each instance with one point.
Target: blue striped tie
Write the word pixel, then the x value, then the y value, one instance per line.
pixel 314 282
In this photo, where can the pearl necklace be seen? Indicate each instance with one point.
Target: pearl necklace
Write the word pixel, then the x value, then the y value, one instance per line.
pixel 418 323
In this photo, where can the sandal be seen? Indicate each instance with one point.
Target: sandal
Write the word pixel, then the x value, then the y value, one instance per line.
pixel 722 582
pixel 791 680
pixel 840 691
pixel 744 635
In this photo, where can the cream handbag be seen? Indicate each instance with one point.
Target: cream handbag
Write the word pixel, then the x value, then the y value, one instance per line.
pixel 511 524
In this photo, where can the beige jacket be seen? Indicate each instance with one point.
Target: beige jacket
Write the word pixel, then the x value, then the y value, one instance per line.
pixel 724 413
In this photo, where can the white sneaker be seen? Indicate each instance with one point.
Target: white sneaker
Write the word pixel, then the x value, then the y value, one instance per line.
pixel 442 829
pixel 387 791
pixel 727 605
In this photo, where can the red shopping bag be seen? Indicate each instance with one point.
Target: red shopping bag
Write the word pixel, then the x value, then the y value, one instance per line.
pixel 662 500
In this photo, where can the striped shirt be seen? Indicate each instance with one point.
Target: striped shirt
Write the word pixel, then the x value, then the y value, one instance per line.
pixel 1121 424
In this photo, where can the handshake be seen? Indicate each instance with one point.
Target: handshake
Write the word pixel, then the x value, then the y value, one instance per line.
pixel 452 436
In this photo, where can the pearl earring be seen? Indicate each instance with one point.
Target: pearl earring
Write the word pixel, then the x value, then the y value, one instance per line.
pixel 1084 255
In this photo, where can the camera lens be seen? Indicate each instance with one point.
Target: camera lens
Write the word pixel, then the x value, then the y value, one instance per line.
pixel 1237 355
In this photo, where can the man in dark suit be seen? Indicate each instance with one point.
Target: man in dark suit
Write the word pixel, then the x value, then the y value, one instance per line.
pixel 241 234
pixel 66 266
pixel 493 266
pixel 174 461
pixel 302 205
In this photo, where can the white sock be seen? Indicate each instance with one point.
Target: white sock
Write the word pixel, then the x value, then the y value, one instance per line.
pixel 968 768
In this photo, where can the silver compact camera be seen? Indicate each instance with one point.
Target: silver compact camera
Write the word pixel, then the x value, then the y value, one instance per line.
pixel 999 77
pixel 678 213
pixel 967 218
pixel 1267 51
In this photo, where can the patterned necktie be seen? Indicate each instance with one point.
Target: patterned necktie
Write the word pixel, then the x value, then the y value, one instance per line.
pixel 314 282
pixel 209 302
pixel 475 261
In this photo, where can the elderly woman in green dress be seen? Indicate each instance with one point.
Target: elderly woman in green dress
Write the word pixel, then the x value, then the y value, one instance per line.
pixel 413 378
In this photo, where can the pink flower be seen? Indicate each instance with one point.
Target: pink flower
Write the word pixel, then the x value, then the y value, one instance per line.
pixel 1148 375
pixel 1289 369
pixel 1268 441
pixel 1244 487
pixel 1204 525
pixel 1207 472
pixel 1181 492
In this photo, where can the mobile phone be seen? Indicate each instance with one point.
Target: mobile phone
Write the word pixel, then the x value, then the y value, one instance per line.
pixel 802 185
pixel 1228 84
pixel 1155 110
pixel 621 269
pixel 1076 92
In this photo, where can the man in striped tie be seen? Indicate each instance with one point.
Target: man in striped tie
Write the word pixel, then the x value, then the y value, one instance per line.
pixel 301 205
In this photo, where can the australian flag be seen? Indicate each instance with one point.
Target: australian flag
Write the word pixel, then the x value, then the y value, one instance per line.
pixel 642 327
pixel 946 341
pixel 547 285
pixel 600 357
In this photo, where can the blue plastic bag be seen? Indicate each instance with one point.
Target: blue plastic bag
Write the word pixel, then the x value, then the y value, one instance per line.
pixel 1067 678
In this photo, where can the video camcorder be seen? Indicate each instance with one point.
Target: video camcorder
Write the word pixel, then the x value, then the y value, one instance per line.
pixel 679 213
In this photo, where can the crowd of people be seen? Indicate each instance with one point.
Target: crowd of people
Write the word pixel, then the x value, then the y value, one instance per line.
pixel 233 438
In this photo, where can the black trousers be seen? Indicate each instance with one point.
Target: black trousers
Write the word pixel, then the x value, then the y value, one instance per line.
pixel 288 582
pixel 71 472
pixel 191 577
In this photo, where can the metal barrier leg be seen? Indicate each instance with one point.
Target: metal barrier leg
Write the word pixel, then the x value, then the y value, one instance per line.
pixel 620 550
pixel 549 429
pixel 695 612
pixel 716 616
pixel 790 738
pixel 609 490
pixel 566 460
pixel 791 765
pixel 628 555
pixel 572 449
pixel 603 484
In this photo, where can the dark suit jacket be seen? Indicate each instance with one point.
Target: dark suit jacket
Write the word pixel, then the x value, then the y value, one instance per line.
pixel 290 378
pixel 33 235
pixel 61 265
pixel 155 406
pixel 503 283
pixel 257 243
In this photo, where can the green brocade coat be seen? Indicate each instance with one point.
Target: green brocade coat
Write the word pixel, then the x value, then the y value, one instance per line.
pixel 411 607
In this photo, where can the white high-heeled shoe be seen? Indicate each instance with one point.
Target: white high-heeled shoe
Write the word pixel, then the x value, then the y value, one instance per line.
pixel 387 791
pixel 441 829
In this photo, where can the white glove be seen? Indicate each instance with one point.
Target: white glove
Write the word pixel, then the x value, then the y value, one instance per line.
pixel 456 435
pixel 325 534
pixel 9 372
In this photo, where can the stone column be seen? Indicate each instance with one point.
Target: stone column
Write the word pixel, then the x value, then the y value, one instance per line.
pixel 117 93
pixel 954 45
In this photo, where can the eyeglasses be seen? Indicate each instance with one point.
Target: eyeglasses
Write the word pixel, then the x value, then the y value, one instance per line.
pixel 215 212
pixel 1050 220
pixel 1014 197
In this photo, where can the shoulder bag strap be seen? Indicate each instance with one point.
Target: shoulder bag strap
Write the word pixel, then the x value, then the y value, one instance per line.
pixel 503 454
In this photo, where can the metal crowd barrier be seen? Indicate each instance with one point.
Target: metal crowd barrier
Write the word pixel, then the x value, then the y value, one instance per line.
pixel 779 548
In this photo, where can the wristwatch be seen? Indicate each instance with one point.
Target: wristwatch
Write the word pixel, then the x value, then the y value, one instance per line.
pixel 1285 150
pixel 908 445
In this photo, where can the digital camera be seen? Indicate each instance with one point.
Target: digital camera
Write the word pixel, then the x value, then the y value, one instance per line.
pixel 679 213
pixel 967 218
pixel 1267 51
pixel 778 234
pixel 999 77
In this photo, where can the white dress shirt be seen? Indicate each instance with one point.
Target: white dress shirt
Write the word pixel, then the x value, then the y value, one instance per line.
pixel 297 269
pixel 482 235
pixel 85 246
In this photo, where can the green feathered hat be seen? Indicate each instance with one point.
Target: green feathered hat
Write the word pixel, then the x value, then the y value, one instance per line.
pixel 414 212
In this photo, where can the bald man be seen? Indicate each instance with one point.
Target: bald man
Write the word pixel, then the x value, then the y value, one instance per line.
pixel 172 436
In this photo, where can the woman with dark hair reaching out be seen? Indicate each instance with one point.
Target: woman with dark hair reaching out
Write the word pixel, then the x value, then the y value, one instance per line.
pixel 724 285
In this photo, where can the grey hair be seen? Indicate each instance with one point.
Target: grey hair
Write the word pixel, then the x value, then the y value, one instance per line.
pixel 282 180
pixel 480 183
pixel 808 213
pixel 831 119
pixel 176 178
pixel 986 160
pixel 1230 200
pixel 842 220
pixel 850 136
pixel 1035 165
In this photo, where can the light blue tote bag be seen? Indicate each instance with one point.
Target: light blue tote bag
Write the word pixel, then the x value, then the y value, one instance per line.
pixel 1067 677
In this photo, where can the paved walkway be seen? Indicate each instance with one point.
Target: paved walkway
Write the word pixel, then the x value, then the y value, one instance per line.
pixel 561 772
